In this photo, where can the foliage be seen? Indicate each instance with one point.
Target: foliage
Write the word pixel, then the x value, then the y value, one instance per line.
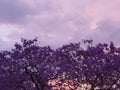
pixel 30 67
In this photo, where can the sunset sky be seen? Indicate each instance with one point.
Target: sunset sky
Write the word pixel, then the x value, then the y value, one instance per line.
pixel 56 22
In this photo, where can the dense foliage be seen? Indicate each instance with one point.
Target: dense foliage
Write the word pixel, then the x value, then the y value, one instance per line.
pixel 30 67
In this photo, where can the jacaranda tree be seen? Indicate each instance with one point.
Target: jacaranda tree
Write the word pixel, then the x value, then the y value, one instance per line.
pixel 29 66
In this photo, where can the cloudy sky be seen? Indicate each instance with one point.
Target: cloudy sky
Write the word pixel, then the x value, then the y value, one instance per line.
pixel 56 22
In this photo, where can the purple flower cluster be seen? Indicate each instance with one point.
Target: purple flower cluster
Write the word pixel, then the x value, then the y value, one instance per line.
pixel 29 66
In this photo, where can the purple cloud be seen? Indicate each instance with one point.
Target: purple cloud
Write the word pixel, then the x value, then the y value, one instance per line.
pixel 62 21
pixel 107 30
pixel 13 11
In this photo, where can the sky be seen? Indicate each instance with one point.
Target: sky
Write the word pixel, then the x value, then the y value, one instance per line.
pixel 57 22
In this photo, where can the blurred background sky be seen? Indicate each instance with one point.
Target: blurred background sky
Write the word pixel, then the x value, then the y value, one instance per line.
pixel 56 22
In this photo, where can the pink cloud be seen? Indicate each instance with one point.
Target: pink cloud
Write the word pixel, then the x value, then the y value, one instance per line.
pixel 62 21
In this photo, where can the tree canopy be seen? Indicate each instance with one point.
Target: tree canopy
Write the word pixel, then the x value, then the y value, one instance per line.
pixel 29 66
